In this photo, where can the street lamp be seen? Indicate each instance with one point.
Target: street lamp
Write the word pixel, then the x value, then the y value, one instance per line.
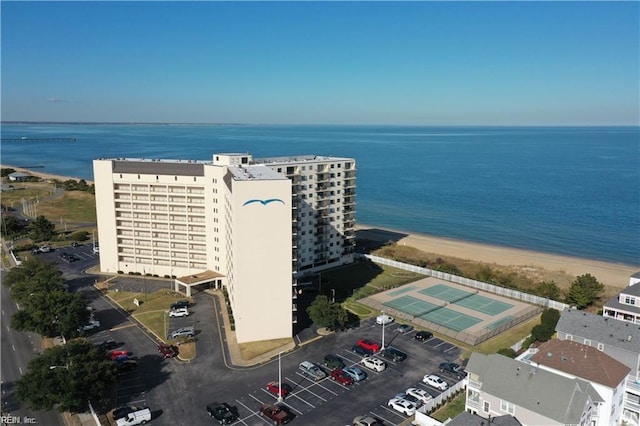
pixel 279 377
pixel 333 295
pixel 383 323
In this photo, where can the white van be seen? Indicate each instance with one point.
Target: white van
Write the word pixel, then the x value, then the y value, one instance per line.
pixel 135 418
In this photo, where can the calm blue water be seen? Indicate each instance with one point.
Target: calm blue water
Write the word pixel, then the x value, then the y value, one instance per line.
pixel 573 191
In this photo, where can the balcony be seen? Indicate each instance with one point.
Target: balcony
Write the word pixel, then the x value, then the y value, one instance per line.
pixel 632 384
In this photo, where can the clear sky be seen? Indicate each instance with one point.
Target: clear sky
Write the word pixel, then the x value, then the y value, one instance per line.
pixel 448 63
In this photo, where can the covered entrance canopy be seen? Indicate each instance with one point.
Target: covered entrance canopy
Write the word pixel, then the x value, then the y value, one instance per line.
pixel 204 277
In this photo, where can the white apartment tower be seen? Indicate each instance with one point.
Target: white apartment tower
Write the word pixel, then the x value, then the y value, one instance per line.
pixel 254 226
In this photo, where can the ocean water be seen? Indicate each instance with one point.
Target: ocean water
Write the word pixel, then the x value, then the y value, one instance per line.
pixel 564 190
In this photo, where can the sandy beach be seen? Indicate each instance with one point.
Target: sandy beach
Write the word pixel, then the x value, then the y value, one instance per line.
pixel 611 274
pixel 41 174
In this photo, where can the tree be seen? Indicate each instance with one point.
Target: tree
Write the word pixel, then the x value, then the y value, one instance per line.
pixel 584 291
pixel 45 307
pixel 547 327
pixel 4 172
pixel 550 317
pixel 11 226
pixel 66 377
pixel 549 289
pixel 324 313
pixel 41 229
pixel 507 352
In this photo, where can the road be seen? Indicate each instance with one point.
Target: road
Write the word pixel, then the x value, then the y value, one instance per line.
pixel 17 349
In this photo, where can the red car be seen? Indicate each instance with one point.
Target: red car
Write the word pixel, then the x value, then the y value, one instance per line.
pixel 167 351
pixel 115 354
pixel 341 377
pixel 278 413
pixel 274 388
pixel 369 345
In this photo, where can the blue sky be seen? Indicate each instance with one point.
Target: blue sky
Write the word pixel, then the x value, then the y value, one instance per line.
pixel 447 63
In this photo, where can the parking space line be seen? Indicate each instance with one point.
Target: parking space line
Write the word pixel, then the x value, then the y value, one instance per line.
pixel 253 412
pixel 441 343
pixel 313 393
pixel 259 402
pixel 323 387
pixel 386 420
pixel 392 411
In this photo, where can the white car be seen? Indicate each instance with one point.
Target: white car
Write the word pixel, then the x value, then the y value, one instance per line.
pixel 419 394
pixel 180 312
pixel 402 405
pixel 374 363
pixel 92 324
pixel 435 381
pixel 384 319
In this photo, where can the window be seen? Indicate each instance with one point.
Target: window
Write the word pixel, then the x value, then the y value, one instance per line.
pixel 507 407
pixel 485 406
pixel 569 337
pixel 600 347
pixel 587 342
pixel 628 300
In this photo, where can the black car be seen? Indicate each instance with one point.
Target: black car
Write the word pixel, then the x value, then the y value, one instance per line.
pixel 423 335
pixel 127 365
pixel 453 369
pixel 331 361
pixel 223 412
pixel 107 345
pixel 357 349
pixel 393 354
pixel 180 304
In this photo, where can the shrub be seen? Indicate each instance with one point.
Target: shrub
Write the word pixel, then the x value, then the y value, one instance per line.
pixel 507 352
pixel 120 272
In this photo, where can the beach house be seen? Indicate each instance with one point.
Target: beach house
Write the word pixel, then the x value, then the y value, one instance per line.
pixel 626 305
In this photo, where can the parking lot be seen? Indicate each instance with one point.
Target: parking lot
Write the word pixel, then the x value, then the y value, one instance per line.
pixel 177 392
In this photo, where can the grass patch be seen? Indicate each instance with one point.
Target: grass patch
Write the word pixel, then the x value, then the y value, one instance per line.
pixel 73 206
pixel 450 410
pixel 155 321
pixel 28 192
pixel 251 350
pixel 505 339
pixel 358 308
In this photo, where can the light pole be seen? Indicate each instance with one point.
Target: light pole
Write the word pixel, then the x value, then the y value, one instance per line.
pixel 53 367
pixel 383 322
pixel 333 295
pixel 279 377
pixel 93 240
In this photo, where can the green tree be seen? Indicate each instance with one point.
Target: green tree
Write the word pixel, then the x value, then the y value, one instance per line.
pixel 66 377
pixel 550 317
pixel 324 313
pixel 41 229
pixel 11 226
pixel 549 289
pixel 4 172
pixel 34 275
pixel 507 352
pixel 584 291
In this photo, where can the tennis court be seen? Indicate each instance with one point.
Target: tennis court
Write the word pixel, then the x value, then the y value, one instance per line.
pixel 465 313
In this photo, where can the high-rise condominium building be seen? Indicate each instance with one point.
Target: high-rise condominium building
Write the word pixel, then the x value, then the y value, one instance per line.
pixel 253 226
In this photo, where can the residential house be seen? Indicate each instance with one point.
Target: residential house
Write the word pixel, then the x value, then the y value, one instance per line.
pixel 626 305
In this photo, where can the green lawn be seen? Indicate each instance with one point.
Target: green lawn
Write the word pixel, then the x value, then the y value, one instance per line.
pixel 450 410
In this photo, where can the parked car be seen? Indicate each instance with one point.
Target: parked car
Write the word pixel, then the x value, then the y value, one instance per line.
pixel 361 351
pixel 310 369
pixel 118 352
pixel 402 405
pixel 183 332
pixel 435 381
pixel 180 312
pixel 91 325
pixel 108 345
pixel 135 418
pixel 168 351
pixel 404 328
pixel 280 414
pixel 341 377
pixel 128 365
pixel 415 401
pixel 423 336
pixel 121 412
pixel 384 319
pixel 374 363
pixel 222 412
pixel 365 421
pixel 332 361
pixel 369 345
pixel 179 304
pixel 420 394
pixel 275 388
pixel 453 369
pixel 45 249
pixel 393 354
pixel 355 373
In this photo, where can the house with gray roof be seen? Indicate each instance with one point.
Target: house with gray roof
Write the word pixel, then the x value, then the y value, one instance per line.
pixel 18 176
pixel 618 339
pixel 498 385
pixel 626 305
pixel 575 360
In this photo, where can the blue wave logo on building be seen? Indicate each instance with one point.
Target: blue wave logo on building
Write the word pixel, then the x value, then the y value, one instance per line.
pixel 263 202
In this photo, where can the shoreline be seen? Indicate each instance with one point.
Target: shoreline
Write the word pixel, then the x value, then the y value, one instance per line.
pixel 609 273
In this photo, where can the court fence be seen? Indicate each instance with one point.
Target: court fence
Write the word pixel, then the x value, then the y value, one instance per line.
pixel 537 303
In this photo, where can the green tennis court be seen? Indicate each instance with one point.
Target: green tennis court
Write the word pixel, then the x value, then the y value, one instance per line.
pixel 451 319
pixel 444 292
pixel 483 304
pixel 411 305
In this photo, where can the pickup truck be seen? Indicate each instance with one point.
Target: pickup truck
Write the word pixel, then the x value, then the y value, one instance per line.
pixel 278 413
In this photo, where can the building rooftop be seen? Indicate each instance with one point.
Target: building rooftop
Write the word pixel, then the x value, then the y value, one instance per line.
pixel 548 394
pixel 581 361
pixel 146 166
pixel 614 303
pixel 254 172
pixel 298 159
pixel 609 331
pixel 468 419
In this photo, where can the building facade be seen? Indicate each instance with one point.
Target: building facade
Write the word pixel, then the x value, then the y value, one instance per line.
pixel 253 226
pixel 626 305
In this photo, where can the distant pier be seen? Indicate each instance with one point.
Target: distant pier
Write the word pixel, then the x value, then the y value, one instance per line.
pixel 26 139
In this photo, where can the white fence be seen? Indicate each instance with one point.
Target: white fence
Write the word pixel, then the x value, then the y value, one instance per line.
pixel 490 288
